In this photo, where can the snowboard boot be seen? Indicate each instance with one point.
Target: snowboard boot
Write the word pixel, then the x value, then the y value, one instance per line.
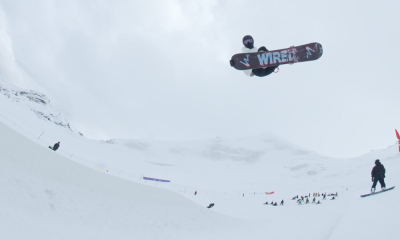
pixel 383 188
pixel 372 190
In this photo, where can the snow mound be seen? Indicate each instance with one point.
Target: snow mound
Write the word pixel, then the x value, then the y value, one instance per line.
pixel 46 194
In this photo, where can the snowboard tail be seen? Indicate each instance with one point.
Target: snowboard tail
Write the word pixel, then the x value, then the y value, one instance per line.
pixel 303 53
pixel 370 194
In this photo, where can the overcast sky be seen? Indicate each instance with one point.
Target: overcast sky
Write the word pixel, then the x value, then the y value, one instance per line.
pixel 160 69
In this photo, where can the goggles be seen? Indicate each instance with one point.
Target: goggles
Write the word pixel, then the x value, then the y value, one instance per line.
pixel 247 41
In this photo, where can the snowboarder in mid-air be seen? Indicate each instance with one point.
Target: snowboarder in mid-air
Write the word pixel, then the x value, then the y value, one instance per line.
pixel 55 147
pixel 248 43
pixel 378 174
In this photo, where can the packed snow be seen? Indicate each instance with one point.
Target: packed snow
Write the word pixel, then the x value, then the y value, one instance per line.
pixel 95 189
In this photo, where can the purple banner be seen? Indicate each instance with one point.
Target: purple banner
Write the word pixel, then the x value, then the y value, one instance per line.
pixel 155 179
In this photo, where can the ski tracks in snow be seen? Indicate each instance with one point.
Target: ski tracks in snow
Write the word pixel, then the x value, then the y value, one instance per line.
pixel 348 198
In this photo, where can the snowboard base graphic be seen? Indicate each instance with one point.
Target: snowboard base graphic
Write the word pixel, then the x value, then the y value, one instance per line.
pixel 302 53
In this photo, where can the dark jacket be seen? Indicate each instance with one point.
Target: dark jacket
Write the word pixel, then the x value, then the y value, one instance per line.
pixel 378 171
pixel 262 72
pixel 56 146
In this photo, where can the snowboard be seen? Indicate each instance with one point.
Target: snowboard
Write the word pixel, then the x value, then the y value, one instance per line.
pixel 370 194
pixel 302 53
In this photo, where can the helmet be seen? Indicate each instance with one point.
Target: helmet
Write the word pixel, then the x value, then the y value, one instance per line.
pixel 263 49
pixel 248 41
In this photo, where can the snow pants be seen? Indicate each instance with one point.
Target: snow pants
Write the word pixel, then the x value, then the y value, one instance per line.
pixel 381 181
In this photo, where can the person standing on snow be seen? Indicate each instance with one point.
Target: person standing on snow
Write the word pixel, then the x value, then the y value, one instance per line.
pixel 378 174
pixel 56 146
pixel 248 43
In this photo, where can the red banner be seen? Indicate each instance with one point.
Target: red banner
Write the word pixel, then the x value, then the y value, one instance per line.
pixel 398 137
pixel 269 193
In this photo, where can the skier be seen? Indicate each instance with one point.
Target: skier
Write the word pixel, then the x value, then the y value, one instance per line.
pixel 56 146
pixel 378 174
pixel 248 43
pixel 195 192
pixel 211 205
pixel 282 202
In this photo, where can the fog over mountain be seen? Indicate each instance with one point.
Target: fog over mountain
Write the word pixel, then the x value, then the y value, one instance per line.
pixel 159 70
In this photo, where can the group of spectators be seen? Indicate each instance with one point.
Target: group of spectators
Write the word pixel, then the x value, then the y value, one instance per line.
pixel 274 203
pixel 306 198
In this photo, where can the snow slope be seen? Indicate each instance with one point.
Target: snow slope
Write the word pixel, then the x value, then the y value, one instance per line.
pixel 94 189
pixel 46 196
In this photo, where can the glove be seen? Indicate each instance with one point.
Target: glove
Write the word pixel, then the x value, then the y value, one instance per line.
pixel 372 179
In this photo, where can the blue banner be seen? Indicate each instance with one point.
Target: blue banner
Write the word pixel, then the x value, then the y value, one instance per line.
pixel 155 179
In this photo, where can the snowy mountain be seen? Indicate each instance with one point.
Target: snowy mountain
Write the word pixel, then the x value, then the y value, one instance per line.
pixel 98 190
pixel 36 102
pixel 95 189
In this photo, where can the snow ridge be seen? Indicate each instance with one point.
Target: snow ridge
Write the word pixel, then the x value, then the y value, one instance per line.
pixel 36 102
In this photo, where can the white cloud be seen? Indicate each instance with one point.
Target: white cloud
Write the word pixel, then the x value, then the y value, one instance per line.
pixel 160 68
